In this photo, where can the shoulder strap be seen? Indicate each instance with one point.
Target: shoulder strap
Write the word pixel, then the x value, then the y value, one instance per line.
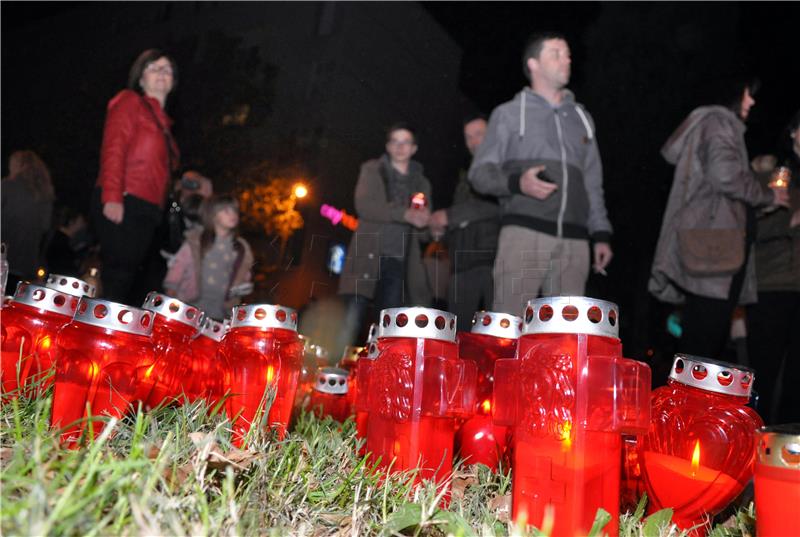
pixel 168 139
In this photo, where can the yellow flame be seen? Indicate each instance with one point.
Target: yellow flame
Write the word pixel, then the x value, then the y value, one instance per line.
pixel 44 343
pixel 40 272
pixel 396 448
pixel 566 436
pixel 92 370
pixel 270 373
pixel 486 405
pixel 149 371
pixel 696 458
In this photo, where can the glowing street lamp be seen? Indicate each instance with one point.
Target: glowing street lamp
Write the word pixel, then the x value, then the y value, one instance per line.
pixel 299 190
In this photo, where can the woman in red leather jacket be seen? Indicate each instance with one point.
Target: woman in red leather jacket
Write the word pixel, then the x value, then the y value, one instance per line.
pixel 137 158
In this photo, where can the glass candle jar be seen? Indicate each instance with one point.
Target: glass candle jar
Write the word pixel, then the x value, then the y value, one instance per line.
pixel 263 355
pixel 97 356
pixel 777 480
pixel 329 395
pixel 208 369
pixel 168 380
pixel 367 355
pixel 699 452
pixel 29 326
pixel 418 388
pixel 493 337
pixel 349 362
pixel 568 397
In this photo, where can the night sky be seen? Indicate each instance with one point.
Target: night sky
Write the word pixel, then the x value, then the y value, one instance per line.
pixel 638 67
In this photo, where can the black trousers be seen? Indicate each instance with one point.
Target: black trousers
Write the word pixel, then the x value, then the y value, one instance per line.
pixel 124 247
pixel 773 338
pixel 470 291
pixel 390 290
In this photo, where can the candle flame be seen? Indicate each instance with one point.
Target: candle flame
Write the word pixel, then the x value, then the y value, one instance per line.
pixel 270 373
pixel 486 406
pixel 93 369
pixel 566 436
pixel 696 458
pixel 149 371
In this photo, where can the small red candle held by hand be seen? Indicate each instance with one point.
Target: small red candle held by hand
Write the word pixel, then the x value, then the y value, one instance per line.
pixel 419 201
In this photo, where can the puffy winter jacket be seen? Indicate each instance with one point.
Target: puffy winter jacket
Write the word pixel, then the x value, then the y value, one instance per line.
pixel 135 157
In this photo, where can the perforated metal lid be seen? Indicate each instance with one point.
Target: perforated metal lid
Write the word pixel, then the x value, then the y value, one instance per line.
pixel 114 316
pixel 712 375
pixel 173 309
pixel 350 354
pixel 571 315
pixel 779 446
pixel 211 328
pixel 331 380
pixel 490 323
pixel 42 298
pixel 417 322
pixel 71 286
pixel 264 316
pixel 372 336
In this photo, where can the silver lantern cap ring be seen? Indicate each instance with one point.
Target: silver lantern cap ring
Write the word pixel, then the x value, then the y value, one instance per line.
pixel 779 446
pixel 712 375
pixel 264 316
pixel 331 380
pixel 71 286
pixel 173 309
pixel 491 323
pixel 44 298
pixel 417 322
pixel 571 315
pixel 213 329
pixel 114 316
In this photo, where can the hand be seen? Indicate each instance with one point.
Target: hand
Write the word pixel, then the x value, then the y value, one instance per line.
pixel 764 163
pixel 438 223
pixel 532 186
pixel 114 211
pixel 602 257
pixel 780 197
pixel 795 221
pixel 417 217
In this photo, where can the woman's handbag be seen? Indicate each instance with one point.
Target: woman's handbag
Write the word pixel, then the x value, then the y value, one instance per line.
pixel 711 252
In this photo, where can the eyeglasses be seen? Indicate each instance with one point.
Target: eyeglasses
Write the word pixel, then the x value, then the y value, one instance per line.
pixel 159 69
pixel 397 143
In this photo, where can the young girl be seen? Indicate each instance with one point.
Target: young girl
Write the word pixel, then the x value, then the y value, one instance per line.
pixel 212 268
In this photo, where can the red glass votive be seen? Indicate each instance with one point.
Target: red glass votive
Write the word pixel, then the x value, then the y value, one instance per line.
pixel 30 323
pixel 263 355
pixel 97 356
pixel 329 395
pixel 315 357
pixel 168 380
pixel 493 337
pixel 70 285
pixel 418 200
pixel 349 362
pixel 699 452
pixel 777 481
pixel 568 396
pixel 367 355
pixel 418 388
pixel 208 369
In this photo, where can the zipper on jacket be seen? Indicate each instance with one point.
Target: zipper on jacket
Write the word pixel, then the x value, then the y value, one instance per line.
pixel 563 208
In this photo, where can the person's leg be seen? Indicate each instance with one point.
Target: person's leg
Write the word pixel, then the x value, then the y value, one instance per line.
pixel 470 291
pixel 789 400
pixel 570 268
pixel 389 292
pixel 523 262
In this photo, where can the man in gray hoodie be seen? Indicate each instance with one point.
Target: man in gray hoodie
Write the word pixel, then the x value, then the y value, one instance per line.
pixel 540 159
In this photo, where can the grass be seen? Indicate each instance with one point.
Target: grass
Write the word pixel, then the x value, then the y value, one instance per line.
pixel 173 471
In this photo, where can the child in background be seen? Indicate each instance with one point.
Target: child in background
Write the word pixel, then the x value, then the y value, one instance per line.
pixel 212 268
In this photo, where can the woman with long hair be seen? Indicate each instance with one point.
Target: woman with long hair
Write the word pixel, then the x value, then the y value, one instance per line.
pixel 27 207
pixel 137 158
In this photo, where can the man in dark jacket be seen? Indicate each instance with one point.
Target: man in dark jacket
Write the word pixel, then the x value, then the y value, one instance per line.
pixel 472 224
pixel 540 158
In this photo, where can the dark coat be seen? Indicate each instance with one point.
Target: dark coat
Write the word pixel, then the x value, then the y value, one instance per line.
pixel 473 225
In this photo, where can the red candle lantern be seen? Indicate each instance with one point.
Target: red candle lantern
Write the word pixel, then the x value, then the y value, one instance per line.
pixel 329 396
pixel 264 355
pixel 777 481
pixel 418 387
pixel 418 200
pixel 366 357
pixel 315 357
pixel 30 324
pixel 71 286
pixel 493 337
pixel 568 396
pixel 699 452
pixel 349 362
pixel 98 356
pixel 168 380
pixel 208 370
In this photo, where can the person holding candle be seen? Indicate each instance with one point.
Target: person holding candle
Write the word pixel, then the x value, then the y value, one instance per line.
pixel 773 337
pixel 714 192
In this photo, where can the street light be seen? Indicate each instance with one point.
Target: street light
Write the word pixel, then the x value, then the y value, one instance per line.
pixel 299 191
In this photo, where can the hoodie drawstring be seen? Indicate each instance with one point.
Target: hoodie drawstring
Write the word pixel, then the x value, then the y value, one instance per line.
pixel 582 114
pixel 522 115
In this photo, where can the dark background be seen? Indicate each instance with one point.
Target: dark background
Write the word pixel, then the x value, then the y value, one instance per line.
pixel 638 67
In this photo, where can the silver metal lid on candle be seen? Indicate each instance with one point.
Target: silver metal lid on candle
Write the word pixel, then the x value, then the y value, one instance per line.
pixel 114 316
pixel 331 380
pixel 712 375
pixel 350 354
pixel 71 286
pixel 45 299
pixel 417 322
pixel 779 446
pixel 172 309
pixel 571 315
pixel 490 323
pixel 264 316
pixel 372 342
pixel 213 329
